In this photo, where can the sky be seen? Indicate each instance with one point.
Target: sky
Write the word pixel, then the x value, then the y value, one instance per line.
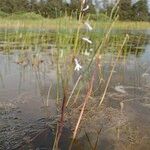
pixel 149 5
pixel 67 1
pixel 98 3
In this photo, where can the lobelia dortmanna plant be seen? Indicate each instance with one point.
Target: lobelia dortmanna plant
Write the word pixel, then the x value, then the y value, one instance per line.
pixel 84 8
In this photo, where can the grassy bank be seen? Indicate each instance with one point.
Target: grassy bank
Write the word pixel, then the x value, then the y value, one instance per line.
pixel 37 22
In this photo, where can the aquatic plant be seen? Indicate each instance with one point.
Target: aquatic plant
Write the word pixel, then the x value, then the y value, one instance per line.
pixel 76 50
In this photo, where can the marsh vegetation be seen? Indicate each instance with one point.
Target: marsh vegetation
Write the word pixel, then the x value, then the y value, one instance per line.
pixel 69 83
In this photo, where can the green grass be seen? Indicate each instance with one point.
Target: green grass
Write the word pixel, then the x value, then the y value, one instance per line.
pixel 3 14
pixel 35 21
pixel 24 16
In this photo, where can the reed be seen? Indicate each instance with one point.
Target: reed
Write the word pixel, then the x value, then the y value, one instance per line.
pixel 111 73
pixel 72 41
pixel 89 92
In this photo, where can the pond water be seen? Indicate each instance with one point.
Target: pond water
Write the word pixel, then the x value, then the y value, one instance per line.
pixel 28 104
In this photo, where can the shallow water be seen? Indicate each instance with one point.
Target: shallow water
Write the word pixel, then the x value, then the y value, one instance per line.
pixel 25 109
pixel 124 120
pixel 23 100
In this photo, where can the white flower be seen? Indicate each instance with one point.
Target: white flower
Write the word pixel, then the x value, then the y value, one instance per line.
pixel 78 66
pixel 86 53
pixel 83 2
pixel 88 26
pixel 86 8
pixel 145 74
pixel 87 40
pixel 91 49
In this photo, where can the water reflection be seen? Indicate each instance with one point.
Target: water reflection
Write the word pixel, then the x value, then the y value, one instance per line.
pixel 25 86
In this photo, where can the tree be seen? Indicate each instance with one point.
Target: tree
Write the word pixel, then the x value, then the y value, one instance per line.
pixel 140 11
pixel 125 10
pixel 11 6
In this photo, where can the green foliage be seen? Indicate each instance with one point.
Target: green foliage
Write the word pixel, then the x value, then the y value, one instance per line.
pixel 140 11
pixel 51 8
pixel 11 6
pixel 137 12
pixel 56 8
pixel 125 9
pixel 3 14
pixel 98 17
pixel 23 15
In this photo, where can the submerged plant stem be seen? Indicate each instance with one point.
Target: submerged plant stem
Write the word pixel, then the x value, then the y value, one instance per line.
pixel 82 111
pixel 77 82
pixel 111 73
pixel 61 122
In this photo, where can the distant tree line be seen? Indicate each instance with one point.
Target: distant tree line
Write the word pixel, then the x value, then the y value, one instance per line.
pixel 56 8
pixel 47 8
pixel 136 12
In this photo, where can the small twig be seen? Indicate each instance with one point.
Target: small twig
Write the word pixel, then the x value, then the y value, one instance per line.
pixel 77 95
pixel 50 87
pixel 73 89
